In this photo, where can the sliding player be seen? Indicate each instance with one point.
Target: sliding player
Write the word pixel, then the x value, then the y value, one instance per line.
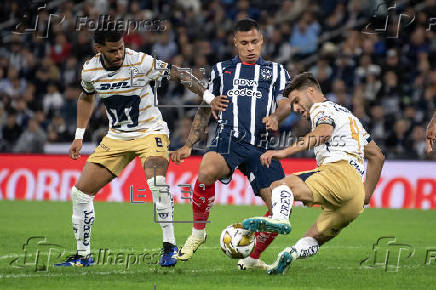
pixel 249 91
pixel 120 77
pixel 340 144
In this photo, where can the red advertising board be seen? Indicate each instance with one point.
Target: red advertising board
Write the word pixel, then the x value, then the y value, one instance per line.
pixel 50 177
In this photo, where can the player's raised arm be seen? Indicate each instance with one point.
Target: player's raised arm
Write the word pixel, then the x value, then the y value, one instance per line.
pixel 198 129
pixel 376 159
pixel 194 85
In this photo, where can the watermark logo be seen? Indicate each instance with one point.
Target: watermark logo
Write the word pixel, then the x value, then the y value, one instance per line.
pixel 383 17
pixel 52 19
pixel 388 254
pixel 39 254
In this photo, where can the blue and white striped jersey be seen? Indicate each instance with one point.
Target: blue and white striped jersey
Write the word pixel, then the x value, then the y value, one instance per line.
pixel 253 91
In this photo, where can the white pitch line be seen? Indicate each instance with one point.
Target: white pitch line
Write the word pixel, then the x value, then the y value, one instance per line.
pixel 128 272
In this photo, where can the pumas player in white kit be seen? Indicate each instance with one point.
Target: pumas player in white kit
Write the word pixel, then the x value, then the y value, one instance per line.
pixel 340 144
pixel 121 77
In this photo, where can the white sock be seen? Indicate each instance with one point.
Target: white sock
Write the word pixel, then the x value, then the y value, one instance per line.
pixel 306 247
pixel 282 200
pixel 164 202
pixel 83 218
pixel 198 234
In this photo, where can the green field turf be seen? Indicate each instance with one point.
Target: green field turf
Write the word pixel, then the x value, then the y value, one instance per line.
pixel 128 228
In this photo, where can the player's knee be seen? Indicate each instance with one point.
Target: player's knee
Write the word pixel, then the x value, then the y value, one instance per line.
pixel 349 214
pixel 207 175
pixel 85 189
pixel 277 183
pixel 155 166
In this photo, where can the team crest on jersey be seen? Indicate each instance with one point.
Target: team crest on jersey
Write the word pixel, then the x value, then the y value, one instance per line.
pixel 136 79
pixel 134 71
pixel 265 73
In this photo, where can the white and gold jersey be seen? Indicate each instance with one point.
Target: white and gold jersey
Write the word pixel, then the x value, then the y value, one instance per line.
pixel 348 138
pixel 127 94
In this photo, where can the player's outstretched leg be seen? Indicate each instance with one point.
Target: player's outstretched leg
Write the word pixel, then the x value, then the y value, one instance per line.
pixel 83 219
pixel 164 206
pixel 303 248
pixel 263 240
pixel 202 200
pixel 282 199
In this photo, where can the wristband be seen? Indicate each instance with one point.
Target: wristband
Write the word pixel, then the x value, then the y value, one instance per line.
pixel 208 96
pixel 79 133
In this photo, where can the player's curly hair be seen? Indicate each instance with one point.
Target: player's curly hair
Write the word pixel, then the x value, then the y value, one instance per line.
pixel 301 81
pixel 108 31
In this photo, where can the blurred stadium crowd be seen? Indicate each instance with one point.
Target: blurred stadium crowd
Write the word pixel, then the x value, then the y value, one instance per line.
pixel 386 77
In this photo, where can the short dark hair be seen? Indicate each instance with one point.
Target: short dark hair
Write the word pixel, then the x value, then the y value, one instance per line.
pixel 108 31
pixel 301 81
pixel 246 24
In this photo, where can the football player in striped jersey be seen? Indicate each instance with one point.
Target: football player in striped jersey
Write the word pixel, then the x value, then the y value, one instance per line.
pixel 251 89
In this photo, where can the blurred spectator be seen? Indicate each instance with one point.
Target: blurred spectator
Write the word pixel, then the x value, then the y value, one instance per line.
pixel 22 112
pixel 304 39
pixel 385 80
pixel 164 48
pixel 52 101
pixel 418 140
pixel 57 131
pixel 11 132
pixel 377 125
pixel 32 140
pixel 339 94
pixel 61 49
pixel 397 143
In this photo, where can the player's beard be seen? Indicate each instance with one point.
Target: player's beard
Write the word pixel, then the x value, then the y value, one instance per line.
pixel 112 65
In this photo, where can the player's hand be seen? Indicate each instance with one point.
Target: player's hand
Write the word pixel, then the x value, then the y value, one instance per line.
pixel 267 157
pixel 431 136
pixel 271 122
pixel 75 148
pixel 220 103
pixel 183 153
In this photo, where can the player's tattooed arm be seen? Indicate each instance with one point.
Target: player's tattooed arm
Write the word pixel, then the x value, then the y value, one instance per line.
pixel 200 124
pixel 198 130
pixel 190 81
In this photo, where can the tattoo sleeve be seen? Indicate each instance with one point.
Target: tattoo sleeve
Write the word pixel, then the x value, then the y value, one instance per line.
pixel 186 77
pixel 200 124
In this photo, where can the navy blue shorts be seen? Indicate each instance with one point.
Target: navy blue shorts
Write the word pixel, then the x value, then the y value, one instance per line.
pixel 246 157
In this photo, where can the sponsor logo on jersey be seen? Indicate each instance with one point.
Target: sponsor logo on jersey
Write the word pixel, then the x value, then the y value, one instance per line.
pixel 244 91
pixel 244 82
pixel 116 85
pixel 357 166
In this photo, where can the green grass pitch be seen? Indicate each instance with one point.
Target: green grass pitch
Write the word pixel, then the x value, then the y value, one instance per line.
pixel 129 229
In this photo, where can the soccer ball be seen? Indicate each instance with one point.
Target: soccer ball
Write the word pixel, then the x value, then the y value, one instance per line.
pixel 237 242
